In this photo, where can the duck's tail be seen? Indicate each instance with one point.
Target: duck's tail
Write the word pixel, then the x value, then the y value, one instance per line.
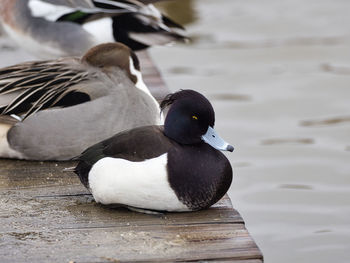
pixel 69 169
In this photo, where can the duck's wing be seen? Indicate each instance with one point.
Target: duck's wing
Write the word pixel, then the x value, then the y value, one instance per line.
pixel 95 9
pixel 81 11
pixel 147 29
pixel 88 6
pixel 132 19
pixel 150 1
pixel 144 23
pixel 67 3
pixel 135 145
pixel 29 87
pixel 7 119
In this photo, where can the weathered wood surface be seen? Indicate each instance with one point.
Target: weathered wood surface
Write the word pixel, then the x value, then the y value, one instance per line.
pixel 46 215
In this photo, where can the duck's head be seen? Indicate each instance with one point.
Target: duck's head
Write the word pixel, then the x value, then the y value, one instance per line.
pixel 190 120
pixel 108 55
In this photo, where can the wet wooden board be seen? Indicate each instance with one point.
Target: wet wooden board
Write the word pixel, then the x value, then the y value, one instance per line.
pixel 46 215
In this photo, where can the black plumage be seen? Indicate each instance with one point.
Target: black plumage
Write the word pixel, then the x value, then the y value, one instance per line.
pixel 198 174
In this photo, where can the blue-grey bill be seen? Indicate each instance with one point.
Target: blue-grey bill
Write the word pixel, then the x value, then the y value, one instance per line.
pixel 214 140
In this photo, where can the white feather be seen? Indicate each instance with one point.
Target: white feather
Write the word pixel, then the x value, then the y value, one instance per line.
pixel 16 117
pixel 101 29
pixel 138 184
pixel 5 150
pixel 52 12
pixel 140 84
pixel 151 10
pixel 127 7
pixel 48 11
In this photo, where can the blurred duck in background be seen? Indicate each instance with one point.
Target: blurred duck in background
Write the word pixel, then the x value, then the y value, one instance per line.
pixel 56 28
pixel 53 110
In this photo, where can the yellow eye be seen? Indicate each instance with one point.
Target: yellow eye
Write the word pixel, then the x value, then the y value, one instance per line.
pixel 195 117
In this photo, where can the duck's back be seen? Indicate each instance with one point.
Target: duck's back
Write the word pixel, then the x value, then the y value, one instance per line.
pixel 62 133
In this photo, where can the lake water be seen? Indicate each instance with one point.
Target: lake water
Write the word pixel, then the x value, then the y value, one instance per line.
pixel 278 75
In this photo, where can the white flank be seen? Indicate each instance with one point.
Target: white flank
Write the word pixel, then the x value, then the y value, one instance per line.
pixel 101 29
pixel 138 184
pixel 5 150
pixel 48 11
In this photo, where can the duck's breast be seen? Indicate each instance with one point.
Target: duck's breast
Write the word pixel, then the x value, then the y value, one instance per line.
pixel 199 174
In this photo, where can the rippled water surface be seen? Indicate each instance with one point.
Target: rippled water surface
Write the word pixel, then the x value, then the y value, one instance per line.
pixel 278 75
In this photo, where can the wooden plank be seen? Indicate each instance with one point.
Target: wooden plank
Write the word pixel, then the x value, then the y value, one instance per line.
pixel 47 222
pixel 46 215
pixel 28 185
pixel 130 244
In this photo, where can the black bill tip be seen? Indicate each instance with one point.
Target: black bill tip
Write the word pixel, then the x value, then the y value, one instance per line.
pixel 230 148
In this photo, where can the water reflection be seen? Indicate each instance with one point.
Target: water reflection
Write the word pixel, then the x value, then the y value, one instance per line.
pixel 336 69
pixel 328 121
pixel 229 97
pixel 288 140
pixel 322 231
pixel 182 70
pixel 296 186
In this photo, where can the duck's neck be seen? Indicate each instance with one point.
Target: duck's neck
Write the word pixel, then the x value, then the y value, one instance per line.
pixel 140 84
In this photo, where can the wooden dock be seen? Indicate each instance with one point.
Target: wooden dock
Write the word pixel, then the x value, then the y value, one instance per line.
pixel 48 216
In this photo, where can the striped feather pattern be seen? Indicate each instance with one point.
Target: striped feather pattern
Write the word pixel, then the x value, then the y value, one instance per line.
pixel 40 85
pixel 112 7
pixel 148 14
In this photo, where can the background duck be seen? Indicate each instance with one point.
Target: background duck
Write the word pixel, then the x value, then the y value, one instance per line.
pixel 56 28
pixel 53 110
pixel 177 167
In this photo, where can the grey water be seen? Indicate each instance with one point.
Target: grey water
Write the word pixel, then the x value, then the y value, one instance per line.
pixel 278 76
